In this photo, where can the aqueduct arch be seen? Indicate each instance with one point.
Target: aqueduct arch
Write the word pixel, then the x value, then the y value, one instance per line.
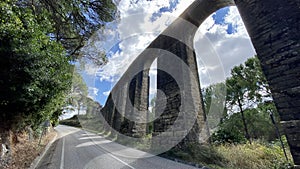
pixel 273 26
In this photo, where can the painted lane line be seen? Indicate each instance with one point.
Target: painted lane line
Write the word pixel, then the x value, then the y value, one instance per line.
pixel 62 154
pixel 123 162
pixel 109 153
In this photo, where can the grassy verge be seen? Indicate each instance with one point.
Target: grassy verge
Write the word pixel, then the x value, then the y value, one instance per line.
pixel 25 151
pixel 257 155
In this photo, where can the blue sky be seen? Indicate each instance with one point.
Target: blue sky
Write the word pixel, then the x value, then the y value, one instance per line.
pixel 164 9
pixel 126 38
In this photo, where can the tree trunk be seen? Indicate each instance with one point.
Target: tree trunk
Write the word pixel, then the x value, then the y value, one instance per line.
pixel 247 135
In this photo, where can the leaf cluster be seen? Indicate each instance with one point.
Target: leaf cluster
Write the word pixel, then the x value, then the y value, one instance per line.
pixel 35 74
pixel 246 113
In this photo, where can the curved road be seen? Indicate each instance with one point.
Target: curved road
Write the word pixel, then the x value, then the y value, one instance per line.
pixel 79 149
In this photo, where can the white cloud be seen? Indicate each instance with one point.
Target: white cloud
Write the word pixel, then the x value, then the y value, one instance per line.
pixel 153 79
pixel 94 90
pixel 136 31
pixel 219 51
pixel 106 93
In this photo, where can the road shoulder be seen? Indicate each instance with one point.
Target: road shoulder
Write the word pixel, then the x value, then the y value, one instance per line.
pixel 36 161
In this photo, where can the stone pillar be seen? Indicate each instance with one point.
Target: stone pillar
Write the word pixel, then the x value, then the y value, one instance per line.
pixel 137 109
pixel 172 92
pixel 127 124
pixel 274 29
pixel 148 100
pixel 108 113
pixel 119 96
pixel 111 111
pixel 103 112
pixel 178 39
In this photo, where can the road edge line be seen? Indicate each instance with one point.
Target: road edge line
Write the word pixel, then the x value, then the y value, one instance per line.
pixel 62 159
pixel 36 161
pixel 108 152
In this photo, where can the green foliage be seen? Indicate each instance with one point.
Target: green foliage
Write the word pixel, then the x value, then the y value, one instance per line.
pixel 225 136
pixel 246 88
pixel 254 156
pixel 78 95
pixel 55 117
pixel 259 126
pixel 214 97
pixel 246 83
pixel 248 117
pixel 72 21
pixel 35 74
pixel 73 121
pixel 196 153
pixel 233 156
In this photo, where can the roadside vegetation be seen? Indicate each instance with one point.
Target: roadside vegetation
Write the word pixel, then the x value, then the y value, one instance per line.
pixel 73 121
pixel 39 43
pixel 245 134
pixel 258 155
pixel 26 150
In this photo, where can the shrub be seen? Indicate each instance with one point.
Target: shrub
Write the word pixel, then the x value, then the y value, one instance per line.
pixel 253 156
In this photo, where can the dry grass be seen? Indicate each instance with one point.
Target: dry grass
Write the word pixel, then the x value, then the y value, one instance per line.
pixel 24 152
pixel 258 155
pixel 254 156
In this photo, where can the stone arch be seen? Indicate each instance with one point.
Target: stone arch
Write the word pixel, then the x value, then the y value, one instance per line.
pixel 273 26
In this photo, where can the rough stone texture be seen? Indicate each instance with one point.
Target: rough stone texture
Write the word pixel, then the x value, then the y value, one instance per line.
pixel 175 95
pixel 274 27
pixel 131 112
pixel 127 124
pixel 178 39
pixel 120 104
pixel 108 113
pixel 138 94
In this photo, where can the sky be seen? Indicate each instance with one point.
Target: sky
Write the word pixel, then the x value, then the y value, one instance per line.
pixel 220 43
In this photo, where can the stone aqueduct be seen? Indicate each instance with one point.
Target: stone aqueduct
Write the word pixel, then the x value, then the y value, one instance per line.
pixel 273 26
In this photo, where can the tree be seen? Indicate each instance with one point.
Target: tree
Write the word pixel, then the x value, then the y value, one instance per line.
pixel 38 39
pixel 230 130
pixel 244 88
pixel 247 93
pixel 78 93
pixel 74 21
pixel 259 125
pixel 35 72
pixel 248 103
pixel 214 97
pixel 92 107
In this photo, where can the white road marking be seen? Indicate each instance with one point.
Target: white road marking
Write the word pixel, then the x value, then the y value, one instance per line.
pixel 62 154
pixel 120 160
pixel 110 154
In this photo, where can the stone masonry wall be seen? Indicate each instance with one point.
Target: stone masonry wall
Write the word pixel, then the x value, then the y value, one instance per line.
pixel 274 29
pixel 178 39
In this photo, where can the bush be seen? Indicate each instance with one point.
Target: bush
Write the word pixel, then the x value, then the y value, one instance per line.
pixel 197 153
pixel 73 121
pixel 254 156
pixel 223 136
pixel 257 155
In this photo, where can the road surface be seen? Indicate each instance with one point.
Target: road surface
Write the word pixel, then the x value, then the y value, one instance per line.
pixel 79 149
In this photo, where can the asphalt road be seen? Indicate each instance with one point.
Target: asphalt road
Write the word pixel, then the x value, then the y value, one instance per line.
pixel 79 149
